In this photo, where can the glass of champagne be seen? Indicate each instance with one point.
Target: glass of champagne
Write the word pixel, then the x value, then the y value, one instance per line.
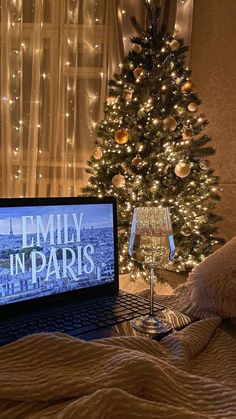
pixel 152 245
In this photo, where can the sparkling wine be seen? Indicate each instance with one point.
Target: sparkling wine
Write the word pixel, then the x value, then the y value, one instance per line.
pixel 150 250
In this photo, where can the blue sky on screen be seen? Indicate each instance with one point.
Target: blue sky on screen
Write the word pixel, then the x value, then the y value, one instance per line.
pixel 96 215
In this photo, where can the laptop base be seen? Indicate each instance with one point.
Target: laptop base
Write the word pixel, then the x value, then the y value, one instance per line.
pixel 96 318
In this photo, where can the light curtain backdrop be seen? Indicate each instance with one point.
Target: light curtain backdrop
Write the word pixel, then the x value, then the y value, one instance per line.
pixel 56 57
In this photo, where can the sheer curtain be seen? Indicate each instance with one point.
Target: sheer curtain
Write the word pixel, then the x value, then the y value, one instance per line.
pixel 56 57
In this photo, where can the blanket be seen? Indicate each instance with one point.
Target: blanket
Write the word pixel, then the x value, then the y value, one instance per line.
pixel 188 374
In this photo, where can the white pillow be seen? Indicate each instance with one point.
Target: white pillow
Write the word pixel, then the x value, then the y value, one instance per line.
pixel 213 282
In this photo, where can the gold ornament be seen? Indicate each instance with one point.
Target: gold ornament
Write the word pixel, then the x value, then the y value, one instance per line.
pixel 136 160
pixel 186 230
pixel 169 123
pixel 128 95
pixel 153 188
pixel 182 169
pixel 118 181
pixel 136 184
pixel 111 100
pixel 97 153
pixel 138 72
pixel 188 133
pixel 174 45
pixel 141 113
pixel 192 106
pixel 136 48
pixel 121 136
pixel 188 85
pixel 205 164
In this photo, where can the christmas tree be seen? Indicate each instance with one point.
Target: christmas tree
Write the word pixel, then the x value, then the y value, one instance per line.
pixel 151 149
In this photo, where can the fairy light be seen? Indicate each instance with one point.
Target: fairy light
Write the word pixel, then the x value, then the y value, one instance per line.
pixel 170 153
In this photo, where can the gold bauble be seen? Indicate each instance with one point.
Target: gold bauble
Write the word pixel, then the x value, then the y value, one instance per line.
pixel 188 133
pixel 128 95
pixel 121 136
pixel 186 230
pixel 141 113
pixel 136 160
pixel 136 184
pixel 138 72
pixel 153 188
pixel 111 100
pixel 169 123
pixel 182 169
pixel 188 85
pixel 174 45
pixel 118 181
pixel 192 106
pixel 97 153
pixel 136 48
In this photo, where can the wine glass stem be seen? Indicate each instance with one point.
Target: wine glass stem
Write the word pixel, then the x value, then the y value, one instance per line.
pixel 152 279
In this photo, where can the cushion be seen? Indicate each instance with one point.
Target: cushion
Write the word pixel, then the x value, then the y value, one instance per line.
pixel 213 282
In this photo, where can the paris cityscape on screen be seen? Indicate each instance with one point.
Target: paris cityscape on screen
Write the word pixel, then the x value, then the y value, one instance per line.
pixel 49 249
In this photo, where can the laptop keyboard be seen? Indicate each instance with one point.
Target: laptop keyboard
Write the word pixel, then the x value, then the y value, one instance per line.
pixel 80 318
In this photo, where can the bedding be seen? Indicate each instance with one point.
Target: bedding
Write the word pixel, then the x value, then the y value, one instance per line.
pixel 188 374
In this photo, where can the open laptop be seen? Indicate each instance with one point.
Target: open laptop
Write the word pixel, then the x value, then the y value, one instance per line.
pixel 59 269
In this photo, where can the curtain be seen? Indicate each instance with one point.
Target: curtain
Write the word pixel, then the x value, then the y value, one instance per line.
pixel 56 57
pixel 183 22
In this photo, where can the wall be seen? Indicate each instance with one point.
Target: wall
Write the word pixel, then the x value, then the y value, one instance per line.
pixel 213 63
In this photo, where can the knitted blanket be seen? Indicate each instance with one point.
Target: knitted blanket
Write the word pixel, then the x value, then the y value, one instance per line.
pixel 188 374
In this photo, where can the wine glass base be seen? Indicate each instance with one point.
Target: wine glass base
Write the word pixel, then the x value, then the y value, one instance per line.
pixel 151 325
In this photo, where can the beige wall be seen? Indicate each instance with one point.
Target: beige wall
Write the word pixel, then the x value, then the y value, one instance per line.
pixel 213 63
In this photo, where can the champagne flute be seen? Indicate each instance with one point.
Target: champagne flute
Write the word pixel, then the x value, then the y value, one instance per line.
pixel 152 245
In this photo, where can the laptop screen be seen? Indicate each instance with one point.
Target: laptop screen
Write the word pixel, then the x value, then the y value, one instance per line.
pixel 50 249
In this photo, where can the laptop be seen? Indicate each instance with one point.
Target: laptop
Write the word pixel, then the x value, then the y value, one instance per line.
pixel 59 269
